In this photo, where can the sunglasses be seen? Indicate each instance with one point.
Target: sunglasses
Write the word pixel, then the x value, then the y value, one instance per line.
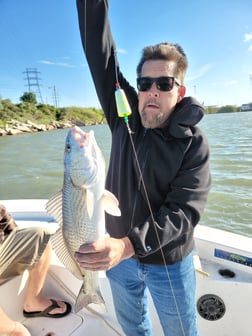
pixel 164 83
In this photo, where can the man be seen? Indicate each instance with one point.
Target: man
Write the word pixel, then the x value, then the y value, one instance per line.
pixel 161 181
pixel 22 249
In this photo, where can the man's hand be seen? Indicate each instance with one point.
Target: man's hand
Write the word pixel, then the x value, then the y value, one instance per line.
pixel 104 254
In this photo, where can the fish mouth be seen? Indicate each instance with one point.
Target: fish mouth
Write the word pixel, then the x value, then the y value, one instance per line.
pixel 82 138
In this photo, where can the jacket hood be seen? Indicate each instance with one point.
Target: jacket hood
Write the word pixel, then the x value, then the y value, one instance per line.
pixel 187 113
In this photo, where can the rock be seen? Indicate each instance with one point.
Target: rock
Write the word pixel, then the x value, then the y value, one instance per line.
pixel 50 127
pixel 13 131
pixel 2 132
pixel 39 128
pixel 15 127
pixel 22 128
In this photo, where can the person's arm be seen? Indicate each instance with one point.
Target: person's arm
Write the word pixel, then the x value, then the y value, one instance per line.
pixel 183 205
pixel 100 50
pixel 99 47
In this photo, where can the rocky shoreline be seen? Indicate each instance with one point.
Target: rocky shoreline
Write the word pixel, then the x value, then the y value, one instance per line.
pixel 14 127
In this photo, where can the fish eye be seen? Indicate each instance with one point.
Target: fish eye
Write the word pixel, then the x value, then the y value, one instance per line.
pixel 68 148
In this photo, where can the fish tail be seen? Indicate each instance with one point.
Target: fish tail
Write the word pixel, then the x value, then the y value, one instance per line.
pixel 84 298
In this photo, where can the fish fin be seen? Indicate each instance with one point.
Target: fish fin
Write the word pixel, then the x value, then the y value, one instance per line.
pixel 54 207
pixel 84 298
pixel 64 255
pixel 90 203
pixel 110 203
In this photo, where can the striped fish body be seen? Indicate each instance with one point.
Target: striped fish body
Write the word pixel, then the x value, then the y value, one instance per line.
pixel 79 209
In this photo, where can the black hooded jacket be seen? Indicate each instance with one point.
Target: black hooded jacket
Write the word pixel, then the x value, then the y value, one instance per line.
pixel 174 160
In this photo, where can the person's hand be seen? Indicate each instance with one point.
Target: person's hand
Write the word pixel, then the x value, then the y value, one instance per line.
pixel 104 254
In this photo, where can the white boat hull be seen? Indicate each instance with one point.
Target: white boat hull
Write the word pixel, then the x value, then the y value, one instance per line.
pixel 224 286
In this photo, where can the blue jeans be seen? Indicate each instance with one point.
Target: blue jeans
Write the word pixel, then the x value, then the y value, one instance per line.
pixel 175 307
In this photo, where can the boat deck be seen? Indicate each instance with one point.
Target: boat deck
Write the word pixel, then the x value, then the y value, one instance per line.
pixel 224 282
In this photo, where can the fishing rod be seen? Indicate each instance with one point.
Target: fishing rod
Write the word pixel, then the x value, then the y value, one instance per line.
pixel 124 111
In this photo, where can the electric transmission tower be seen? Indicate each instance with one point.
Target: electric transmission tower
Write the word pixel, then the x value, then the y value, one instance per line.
pixel 33 81
pixel 55 96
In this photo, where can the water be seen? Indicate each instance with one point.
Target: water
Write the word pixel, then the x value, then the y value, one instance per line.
pixel 32 167
pixel 230 201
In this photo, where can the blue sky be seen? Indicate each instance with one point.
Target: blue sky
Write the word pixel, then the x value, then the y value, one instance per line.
pixel 43 34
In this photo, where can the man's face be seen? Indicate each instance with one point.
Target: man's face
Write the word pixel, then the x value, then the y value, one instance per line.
pixel 155 106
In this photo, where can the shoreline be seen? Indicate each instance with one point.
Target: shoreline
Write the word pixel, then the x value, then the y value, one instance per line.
pixel 15 127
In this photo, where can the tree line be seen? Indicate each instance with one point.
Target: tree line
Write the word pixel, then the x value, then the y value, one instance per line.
pixel 30 109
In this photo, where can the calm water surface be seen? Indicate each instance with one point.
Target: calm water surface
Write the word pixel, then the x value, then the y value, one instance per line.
pixel 32 167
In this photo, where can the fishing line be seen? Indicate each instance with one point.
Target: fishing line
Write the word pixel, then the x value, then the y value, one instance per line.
pixel 124 111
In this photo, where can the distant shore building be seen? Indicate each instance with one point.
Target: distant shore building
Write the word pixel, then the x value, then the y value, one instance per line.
pixel 246 107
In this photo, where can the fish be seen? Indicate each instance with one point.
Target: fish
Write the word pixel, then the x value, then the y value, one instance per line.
pixel 79 208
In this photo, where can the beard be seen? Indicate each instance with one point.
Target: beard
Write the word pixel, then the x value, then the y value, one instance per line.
pixel 155 122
